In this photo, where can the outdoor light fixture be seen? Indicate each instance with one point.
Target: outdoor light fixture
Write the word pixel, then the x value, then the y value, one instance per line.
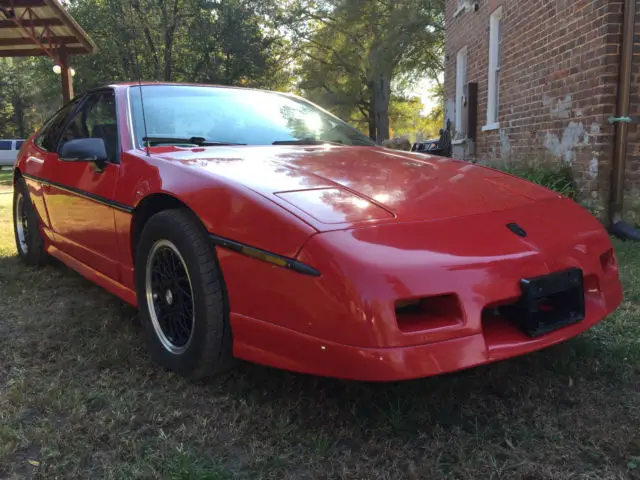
pixel 57 69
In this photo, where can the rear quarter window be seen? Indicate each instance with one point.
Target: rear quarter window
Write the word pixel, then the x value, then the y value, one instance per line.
pixel 19 144
pixel 5 144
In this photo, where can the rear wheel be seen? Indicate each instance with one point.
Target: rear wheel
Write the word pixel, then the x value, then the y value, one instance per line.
pixel 181 296
pixel 26 227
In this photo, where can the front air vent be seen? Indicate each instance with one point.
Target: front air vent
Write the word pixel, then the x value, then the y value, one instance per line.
pixel 430 313
pixel 608 261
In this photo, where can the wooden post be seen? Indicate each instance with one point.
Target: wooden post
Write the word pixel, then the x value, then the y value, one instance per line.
pixel 66 78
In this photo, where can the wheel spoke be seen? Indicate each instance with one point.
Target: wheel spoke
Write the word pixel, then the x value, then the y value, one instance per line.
pixel 171 297
pixel 185 292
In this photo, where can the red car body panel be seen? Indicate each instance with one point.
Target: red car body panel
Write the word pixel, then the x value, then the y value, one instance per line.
pixel 380 226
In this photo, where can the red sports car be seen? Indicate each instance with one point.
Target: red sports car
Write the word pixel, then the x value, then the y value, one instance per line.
pixel 255 225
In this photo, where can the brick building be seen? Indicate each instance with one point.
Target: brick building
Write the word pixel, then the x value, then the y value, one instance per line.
pixel 539 80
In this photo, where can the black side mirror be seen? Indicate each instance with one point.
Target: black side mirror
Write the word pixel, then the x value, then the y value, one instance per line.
pixel 83 150
pixel 91 150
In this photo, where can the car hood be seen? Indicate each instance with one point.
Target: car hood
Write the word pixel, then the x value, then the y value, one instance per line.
pixel 333 186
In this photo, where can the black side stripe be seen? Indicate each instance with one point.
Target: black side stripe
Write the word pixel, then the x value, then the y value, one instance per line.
pixel 81 193
pixel 257 253
pixel 265 256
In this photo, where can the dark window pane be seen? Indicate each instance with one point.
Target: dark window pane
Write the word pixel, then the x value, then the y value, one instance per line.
pixel 5 144
pixel 96 119
pixel 47 137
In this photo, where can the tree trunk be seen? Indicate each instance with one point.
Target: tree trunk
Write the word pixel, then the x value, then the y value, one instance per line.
pixel 154 54
pixel 18 113
pixel 381 98
pixel 169 31
pixel 150 43
pixel 227 68
pixel 371 112
pixel 168 51
pixel 372 125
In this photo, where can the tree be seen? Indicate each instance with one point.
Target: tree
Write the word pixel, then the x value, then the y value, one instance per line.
pixel 407 119
pixel 353 52
pixel 353 57
pixel 210 41
pixel 230 42
pixel 18 116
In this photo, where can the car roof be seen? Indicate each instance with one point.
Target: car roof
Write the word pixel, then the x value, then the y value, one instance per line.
pixel 124 85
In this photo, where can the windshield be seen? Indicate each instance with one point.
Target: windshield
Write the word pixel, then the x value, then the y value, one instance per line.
pixel 236 116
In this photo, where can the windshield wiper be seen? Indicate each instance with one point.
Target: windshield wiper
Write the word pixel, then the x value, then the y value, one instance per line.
pixel 306 141
pixel 198 141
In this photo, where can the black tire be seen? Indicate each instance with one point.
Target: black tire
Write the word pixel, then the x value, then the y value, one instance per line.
pixel 32 251
pixel 209 349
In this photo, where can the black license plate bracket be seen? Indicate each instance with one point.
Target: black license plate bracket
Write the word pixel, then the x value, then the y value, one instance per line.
pixel 548 302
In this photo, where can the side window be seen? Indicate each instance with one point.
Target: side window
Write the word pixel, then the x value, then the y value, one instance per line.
pixel 96 118
pixel 19 144
pixel 47 137
pixel 5 144
pixel 461 81
pixel 495 62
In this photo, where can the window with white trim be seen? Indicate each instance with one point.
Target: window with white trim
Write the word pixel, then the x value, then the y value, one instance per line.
pixel 495 64
pixel 461 80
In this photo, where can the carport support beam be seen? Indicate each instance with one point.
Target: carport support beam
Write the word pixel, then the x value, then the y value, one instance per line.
pixel 66 78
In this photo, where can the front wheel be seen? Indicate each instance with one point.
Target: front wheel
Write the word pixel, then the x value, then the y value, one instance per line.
pixel 181 296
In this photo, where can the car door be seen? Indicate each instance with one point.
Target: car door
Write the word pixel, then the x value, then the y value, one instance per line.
pixel 78 196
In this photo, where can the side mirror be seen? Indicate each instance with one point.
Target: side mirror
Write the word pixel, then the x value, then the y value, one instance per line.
pixel 84 150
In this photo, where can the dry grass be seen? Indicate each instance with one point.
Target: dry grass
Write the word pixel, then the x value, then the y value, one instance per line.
pixel 80 399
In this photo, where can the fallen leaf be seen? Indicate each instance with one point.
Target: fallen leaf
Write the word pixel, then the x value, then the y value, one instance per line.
pixel 35 463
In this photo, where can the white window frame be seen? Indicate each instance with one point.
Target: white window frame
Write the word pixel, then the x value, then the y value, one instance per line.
pixel 461 79
pixel 495 64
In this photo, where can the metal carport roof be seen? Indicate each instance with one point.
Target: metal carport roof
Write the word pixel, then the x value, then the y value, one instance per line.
pixel 42 27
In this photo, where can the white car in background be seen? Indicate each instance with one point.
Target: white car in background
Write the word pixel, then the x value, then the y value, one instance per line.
pixel 9 149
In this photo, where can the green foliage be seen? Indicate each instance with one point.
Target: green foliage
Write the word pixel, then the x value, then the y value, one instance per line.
pixel 437 93
pixel 555 176
pixel 406 119
pixel 19 97
pixel 355 53
pixel 208 41
pixel 231 42
pixel 6 177
pixel 355 58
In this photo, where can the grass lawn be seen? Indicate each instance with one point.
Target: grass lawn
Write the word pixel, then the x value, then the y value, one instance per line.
pixel 6 175
pixel 80 399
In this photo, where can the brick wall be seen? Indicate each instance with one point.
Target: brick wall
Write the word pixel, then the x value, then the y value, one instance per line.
pixel 632 184
pixel 559 74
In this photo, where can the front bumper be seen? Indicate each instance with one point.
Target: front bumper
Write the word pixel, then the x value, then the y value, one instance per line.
pixel 344 323
pixel 287 349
